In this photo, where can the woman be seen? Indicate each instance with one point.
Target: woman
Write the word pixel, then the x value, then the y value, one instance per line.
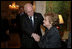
pixel 51 39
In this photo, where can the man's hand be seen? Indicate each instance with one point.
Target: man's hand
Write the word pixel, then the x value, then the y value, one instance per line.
pixel 36 37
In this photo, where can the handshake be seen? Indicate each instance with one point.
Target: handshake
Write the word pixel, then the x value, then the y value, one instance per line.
pixel 36 37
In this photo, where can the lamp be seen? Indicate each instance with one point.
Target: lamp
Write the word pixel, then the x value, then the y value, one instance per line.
pixel 13 6
pixel 60 19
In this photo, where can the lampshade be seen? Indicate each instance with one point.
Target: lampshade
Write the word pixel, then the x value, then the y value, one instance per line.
pixel 61 21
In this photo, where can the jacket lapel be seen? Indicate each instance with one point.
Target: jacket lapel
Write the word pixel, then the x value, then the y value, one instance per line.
pixel 28 22
pixel 35 22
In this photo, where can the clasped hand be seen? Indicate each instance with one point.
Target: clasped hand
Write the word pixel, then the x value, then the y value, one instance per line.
pixel 36 37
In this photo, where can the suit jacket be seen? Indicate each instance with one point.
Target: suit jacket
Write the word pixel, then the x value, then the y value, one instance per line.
pixel 26 25
pixel 4 26
pixel 51 39
pixel 18 18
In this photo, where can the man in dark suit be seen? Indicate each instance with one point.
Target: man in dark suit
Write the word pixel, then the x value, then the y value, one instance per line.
pixel 30 24
pixel 4 31
pixel 19 15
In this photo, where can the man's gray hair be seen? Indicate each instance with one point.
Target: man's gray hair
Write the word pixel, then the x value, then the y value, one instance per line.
pixel 27 4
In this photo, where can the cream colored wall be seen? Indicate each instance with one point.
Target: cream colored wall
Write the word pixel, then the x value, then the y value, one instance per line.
pixel 41 7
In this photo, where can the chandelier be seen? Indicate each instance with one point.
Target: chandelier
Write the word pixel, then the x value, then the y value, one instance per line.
pixel 14 6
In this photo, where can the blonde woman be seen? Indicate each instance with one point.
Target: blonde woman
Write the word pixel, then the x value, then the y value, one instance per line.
pixel 51 39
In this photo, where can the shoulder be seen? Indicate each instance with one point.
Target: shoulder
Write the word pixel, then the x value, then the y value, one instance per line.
pixel 54 29
pixel 24 16
pixel 38 14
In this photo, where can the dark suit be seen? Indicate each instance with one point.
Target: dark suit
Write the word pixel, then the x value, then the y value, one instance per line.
pixel 51 39
pixel 18 25
pixel 27 40
pixel 4 26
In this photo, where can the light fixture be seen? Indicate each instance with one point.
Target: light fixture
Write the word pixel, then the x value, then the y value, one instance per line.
pixel 61 21
pixel 13 6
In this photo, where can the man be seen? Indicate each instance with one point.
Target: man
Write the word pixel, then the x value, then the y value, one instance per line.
pixel 19 15
pixel 30 24
pixel 4 32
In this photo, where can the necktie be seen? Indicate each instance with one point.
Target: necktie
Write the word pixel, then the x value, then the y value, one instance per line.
pixel 32 22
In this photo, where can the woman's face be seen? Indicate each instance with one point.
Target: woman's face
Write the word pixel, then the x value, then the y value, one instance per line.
pixel 46 21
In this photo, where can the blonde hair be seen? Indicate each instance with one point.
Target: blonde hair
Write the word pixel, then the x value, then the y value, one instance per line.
pixel 53 18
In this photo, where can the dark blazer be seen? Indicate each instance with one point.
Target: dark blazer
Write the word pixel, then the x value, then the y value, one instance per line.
pixel 26 25
pixel 51 39
pixel 27 28
pixel 18 25
pixel 4 26
pixel 18 21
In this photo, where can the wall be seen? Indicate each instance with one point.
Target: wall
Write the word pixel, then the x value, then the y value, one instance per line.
pixel 41 7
